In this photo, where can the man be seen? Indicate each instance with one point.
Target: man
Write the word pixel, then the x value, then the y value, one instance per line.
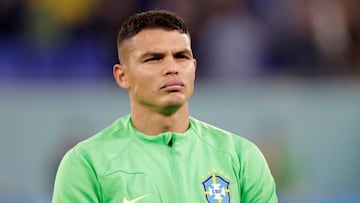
pixel 159 153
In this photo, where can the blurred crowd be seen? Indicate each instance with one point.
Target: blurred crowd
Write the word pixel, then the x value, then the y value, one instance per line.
pixel 47 39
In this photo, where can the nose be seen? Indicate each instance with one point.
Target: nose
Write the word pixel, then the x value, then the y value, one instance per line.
pixel 171 67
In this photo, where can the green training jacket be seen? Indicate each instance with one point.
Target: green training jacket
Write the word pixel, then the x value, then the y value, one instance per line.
pixel 202 165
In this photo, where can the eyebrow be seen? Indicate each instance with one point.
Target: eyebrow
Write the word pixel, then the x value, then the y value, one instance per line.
pixel 151 54
pixel 161 54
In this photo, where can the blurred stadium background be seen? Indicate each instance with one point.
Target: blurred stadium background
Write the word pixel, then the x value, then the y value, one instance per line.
pixel 282 73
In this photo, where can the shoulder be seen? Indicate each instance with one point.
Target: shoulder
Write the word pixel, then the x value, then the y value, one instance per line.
pixel 101 145
pixel 240 149
pixel 244 152
pixel 223 140
pixel 115 131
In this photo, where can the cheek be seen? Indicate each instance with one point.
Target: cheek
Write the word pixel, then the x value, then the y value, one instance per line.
pixel 141 83
pixel 191 74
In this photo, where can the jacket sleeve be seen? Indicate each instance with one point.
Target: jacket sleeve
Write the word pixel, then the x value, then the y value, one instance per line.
pixel 76 180
pixel 256 181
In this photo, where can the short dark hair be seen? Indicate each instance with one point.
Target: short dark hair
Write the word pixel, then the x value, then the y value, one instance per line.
pixel 151 19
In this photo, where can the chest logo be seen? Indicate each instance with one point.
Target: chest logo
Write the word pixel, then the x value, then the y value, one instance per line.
pixel 125 200
pixel 216 189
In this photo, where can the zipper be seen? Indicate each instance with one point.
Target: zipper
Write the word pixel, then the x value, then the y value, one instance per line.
pixel 175 170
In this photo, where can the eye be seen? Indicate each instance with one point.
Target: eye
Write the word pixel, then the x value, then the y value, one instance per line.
pixel 152 59
pixel 182 56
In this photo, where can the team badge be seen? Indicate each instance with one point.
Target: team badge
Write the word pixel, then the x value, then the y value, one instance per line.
pixel 216 189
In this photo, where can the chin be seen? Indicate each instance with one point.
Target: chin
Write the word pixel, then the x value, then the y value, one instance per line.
pixel 172 106
pixel 178 102
pixel 174 101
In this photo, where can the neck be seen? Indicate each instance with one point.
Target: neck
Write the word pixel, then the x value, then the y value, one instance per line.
pixel 153 123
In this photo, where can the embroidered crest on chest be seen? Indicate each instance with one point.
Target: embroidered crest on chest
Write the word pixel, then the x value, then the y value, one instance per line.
pixel 216 187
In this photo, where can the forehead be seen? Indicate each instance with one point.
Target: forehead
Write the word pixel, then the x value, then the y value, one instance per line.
pixel 158 40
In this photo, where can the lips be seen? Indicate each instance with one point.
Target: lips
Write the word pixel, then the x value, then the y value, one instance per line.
pixel 173 85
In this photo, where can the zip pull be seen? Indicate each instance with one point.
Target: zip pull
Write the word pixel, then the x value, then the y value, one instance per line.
pixel 171 141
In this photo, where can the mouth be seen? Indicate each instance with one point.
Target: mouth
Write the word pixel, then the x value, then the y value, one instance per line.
pixel 173 86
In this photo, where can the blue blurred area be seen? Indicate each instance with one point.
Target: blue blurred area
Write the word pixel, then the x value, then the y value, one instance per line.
pixel 64 60
pixel 283 73
pixel 45 39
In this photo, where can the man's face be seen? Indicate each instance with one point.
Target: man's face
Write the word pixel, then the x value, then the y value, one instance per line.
pixel 159 68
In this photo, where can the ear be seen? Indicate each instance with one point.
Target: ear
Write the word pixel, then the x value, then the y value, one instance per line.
pixel 195 65
pixel 120 75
